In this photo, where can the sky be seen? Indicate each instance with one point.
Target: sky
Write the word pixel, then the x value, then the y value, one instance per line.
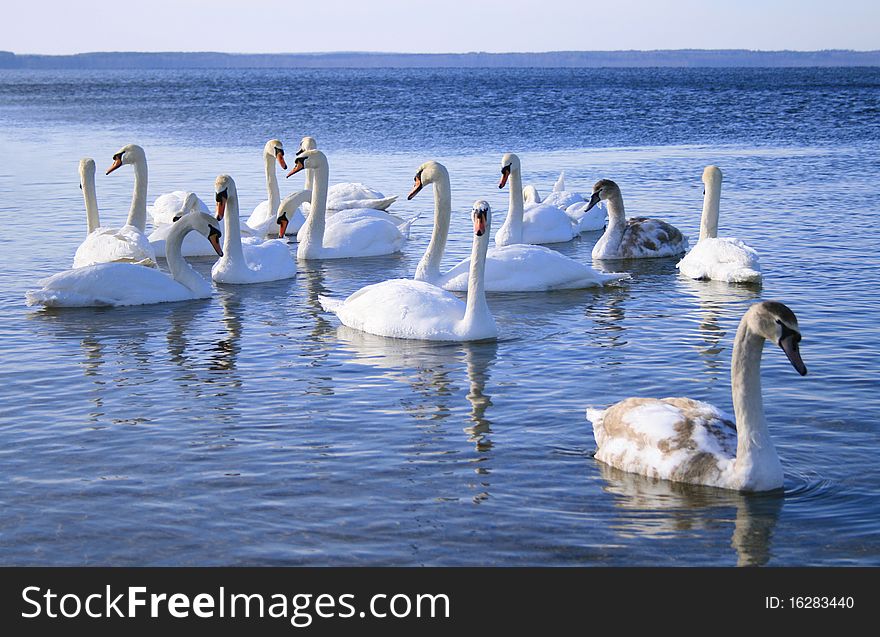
pixel 436 26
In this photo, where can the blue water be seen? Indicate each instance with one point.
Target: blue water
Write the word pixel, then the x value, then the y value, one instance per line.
pixel 251 428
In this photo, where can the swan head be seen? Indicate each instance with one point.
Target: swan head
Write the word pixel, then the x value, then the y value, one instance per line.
pixel 428 173
pixel 509 163
pixel 190 204
pixel 603 190
pixel 711 178
pixel 308 159
pixel 482 217
pixel 128 154
pixel 274 148
pixel 205 224
pixel 778 324
pixel 307 143
pixel 224 188
pixel 86 171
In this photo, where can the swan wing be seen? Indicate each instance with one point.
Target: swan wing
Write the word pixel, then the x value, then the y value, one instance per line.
pixel 722 259
pixel 645 237
pixel 109 245
pixel 674 439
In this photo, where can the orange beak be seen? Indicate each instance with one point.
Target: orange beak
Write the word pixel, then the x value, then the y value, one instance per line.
pixel 479 225
pixel 281 162
pixel 505 173
pixel 415 189
pixel 282 226
pixel 221 208
pixel 117 162
pixel 297 166
pixel 214 238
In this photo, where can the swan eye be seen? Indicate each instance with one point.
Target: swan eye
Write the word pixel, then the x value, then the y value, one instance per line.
pixel 279 151
pixel 117 157
pixel 220 196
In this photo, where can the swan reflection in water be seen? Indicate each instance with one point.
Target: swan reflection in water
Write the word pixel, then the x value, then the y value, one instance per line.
pixel 718 301
pixel 660 509
pixel 432 373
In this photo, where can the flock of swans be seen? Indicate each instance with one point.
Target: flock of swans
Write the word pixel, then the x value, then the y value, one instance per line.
pixel 676 439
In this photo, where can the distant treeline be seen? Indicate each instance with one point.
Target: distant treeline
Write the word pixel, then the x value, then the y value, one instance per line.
pixel 677 58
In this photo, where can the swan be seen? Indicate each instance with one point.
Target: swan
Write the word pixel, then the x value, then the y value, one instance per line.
pixel 686 440
pixel 343 196
pixel 636 238
pixel 403 308
pixel 576 207
pixel 127 244
pixel 344 235
pixel 531 195
pixel 514 268
pixel 116 284
pixel 194 244
pixel 720 259
pixel 169 205
pixel 541 223
pixel 246 263
pixel 262 219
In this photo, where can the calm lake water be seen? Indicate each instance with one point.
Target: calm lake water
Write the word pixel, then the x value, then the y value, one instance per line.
pixel 251 428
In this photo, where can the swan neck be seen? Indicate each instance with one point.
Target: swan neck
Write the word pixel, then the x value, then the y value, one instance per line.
pixel 477 310
pixel 609 242
pixel 516 205
pixel 93 220
pixel 137 215
pixel 755 452
pixel 232 249
pixel 181 271
pixel 429 266
pixel 711 206
pixel 311 236
pixel 274 194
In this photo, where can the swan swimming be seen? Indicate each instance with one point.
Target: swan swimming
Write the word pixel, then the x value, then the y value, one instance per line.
pixel 170 204
pixel 344 235
pixel 262 219
pixel 253 262
pixel 636 238
pixel 577 207
pixel 117 284
pixel 194 244
pixel 687 440
pixel 403 308
pixel 514 268
pixel 721 259
pixel 541 223
pixel 127 244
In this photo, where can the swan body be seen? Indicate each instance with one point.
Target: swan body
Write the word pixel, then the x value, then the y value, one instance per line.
pixel 256 262
pixel 355 235
pixel 575 206
pixel 343 196
pixel 170 205
pixel 539 223
pixel 403 308
pixel 636 238
pixel 262 220
pixel 513 268
pixel 721 259
pixel 118 284
pixel 560 197
pixel 690 441
pixel 127 244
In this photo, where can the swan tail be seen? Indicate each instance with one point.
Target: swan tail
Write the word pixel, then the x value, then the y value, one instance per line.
pixel 559 186
pixel 406 226
pixel 330 304
pixel 596 417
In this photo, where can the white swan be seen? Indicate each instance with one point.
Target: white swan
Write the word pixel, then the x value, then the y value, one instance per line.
pixel 541 223
pixel 194 244
pixel 170 205
pixel 721 259
pixel 636 238
pixel 254 262
pixel 127 244
pixel 343 196
pixel 114 284
pixel 575 206
pixel 531 195
pixel 262 219
pixel 514 268
pixel 403 308
pixel 344 235
pixel 690 441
